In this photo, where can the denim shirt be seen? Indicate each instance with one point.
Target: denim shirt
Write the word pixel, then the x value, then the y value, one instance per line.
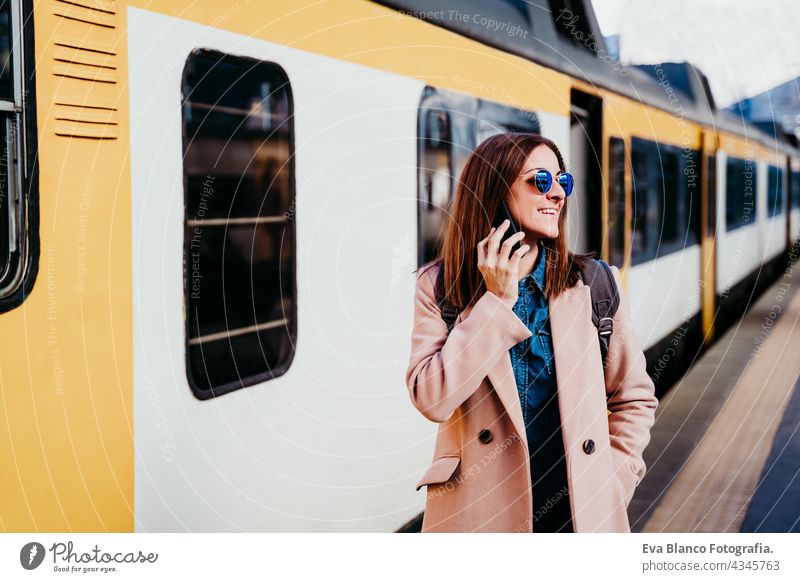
pixel 534 372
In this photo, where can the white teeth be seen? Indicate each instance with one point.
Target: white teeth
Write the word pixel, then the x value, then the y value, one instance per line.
pixel 547 211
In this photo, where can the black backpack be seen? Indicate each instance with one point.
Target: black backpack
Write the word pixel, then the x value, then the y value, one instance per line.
pixel 605 301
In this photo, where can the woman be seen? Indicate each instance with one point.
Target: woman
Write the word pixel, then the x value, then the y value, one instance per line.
pixel 535 434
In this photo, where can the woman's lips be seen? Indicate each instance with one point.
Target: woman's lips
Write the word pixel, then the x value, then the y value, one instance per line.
pixel 548 211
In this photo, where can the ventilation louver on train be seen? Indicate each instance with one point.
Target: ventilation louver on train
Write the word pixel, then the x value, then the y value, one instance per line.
pixel 85 65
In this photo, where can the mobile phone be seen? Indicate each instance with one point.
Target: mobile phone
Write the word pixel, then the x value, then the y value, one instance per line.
pixel 513 227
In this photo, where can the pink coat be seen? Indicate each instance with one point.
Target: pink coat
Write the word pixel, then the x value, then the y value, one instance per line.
pixel 464 382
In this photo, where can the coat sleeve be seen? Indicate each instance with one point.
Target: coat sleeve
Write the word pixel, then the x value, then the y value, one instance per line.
pixel 631 399
pixel 444 370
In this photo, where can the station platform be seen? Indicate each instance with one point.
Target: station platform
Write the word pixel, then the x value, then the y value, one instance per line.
pixel 724 454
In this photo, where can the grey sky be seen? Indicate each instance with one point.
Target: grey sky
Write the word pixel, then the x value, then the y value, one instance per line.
pixel 744 47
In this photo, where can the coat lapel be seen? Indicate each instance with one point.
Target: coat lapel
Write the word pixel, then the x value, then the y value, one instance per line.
pixel 572 331
pixel 501 376
pixel 505 385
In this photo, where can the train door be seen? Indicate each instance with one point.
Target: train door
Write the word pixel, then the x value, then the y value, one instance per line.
pixel 708 217
pixel 585 164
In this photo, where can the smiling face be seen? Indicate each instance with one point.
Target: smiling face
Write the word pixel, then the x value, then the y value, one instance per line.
pixel 537 214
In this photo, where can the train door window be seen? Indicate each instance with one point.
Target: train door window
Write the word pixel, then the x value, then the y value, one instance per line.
pixel 645 209
pixel 711 177
pixel 616 201
pixel 18 213
pixel 740 199
pixel 690 179
pixel 239 242
pixel 775 194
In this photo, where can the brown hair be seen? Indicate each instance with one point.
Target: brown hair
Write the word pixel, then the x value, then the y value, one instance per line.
pixel 485 181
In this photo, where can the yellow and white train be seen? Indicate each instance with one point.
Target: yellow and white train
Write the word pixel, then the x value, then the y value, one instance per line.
pixel 211 214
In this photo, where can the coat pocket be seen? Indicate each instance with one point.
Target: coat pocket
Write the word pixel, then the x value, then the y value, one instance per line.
pixel 440 470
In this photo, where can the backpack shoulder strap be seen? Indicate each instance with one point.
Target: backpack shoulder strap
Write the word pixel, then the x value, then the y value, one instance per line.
pixel 449 312
pixel 605 300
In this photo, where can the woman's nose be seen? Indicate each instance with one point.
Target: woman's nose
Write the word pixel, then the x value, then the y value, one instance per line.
pixel 556 192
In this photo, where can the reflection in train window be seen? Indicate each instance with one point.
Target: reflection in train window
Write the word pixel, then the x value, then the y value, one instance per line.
pixel 239 247
pixel 18 218
pixel 616 202
pixel 666 197
pixel 740 193
pixel 775 195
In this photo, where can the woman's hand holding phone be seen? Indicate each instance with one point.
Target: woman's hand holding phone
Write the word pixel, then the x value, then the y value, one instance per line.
pixel 499 270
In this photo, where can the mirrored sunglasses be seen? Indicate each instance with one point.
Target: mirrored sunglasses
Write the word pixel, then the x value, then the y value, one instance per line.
pixel 544 181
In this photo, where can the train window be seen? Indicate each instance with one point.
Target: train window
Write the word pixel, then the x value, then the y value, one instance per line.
pixel 740 199
pixel 239 242
pixel 450 125
pixel 690 181
pixel 436 171
pixel 493 118
pixel 665 199
pixel 641 203
pixel 6 45
pixel 616 201
pixel 795 189
pixel 18 212
pixel 670 232
pixel 775 191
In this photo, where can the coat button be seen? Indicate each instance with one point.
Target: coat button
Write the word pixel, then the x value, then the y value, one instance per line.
pixel 485 436
pixel 588 446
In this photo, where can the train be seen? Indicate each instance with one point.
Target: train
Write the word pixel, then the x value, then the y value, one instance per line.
pixel 212 217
